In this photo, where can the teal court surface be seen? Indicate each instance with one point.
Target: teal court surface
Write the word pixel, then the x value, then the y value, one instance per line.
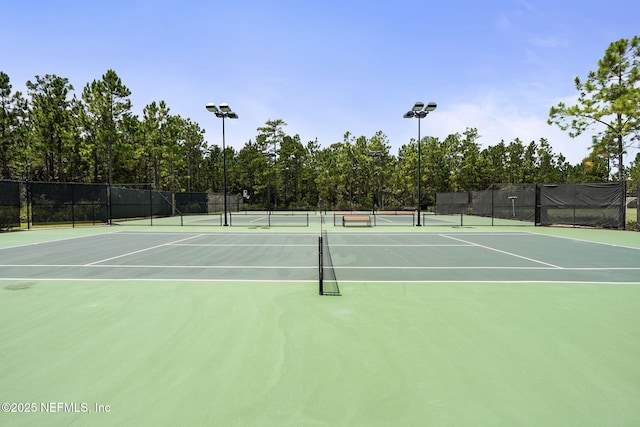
pixel 210 325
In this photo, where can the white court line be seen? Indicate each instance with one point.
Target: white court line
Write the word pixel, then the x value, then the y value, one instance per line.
pixel 428 234
pixel 589 241
pixel 140 250
pixel 209 267
pixel 181 280
pixel 157 267
pixel 551 268
pixel 251 234
pixel 502 252
pixel 492 282
pixel 374 245
pixel 272 267
pixel 426 282
pixel 262 218
pixel 418 245
pixel 23 245
pixel 242 245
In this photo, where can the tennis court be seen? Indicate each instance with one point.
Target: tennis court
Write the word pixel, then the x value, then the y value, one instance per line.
pixel 184 256
pixel 224 326
pixel 479 257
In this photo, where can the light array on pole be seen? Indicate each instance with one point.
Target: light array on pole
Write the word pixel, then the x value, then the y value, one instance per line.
pixel 419 111
pixel 223 112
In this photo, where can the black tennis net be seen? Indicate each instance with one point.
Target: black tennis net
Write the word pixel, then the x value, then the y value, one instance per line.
pixel 328 285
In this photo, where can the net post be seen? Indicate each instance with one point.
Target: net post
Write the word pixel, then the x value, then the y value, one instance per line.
pixel 320 267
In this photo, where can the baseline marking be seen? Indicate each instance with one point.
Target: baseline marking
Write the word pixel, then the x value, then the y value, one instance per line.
pixel 502 252
pixel 44 242
pixel 160 267
pixel 419 245
pixel 550 268
pixel 267 267
pixel 141 250
pixel 589 241
pixel 241 245
pixel 426 282
pixel 74 279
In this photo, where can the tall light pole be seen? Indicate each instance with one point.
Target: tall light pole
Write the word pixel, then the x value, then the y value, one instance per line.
pixel 419 111
pixel 224 112
pixel 374 155
pixel 270 156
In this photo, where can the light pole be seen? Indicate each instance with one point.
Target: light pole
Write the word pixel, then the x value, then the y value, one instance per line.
pixel 419 111
pixel 224 112
pixel 269 156
pixel 373 155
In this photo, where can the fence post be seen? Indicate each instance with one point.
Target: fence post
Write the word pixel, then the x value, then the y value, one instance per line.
pixel 151 205
pixel 28 205
pixel 493 186
pixel 73 206
pixel 623 184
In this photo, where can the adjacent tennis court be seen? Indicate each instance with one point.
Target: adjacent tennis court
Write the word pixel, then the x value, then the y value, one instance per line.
pixel 434 326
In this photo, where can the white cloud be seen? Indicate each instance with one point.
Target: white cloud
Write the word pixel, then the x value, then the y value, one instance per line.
pixel 547 42
pixel 498 118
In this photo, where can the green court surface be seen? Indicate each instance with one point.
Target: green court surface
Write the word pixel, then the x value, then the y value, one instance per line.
pixel 223 326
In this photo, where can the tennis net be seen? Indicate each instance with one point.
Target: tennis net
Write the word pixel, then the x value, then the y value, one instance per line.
pixel 328 285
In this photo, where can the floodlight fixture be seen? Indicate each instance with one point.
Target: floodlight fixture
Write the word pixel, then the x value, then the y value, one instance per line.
pixel 419 111
pixel 223 112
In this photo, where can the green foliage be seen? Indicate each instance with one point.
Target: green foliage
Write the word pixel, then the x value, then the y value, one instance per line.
pixel 609 99
pixel 634 169
pixel 51 122
pixel 13 114
pixel 55 136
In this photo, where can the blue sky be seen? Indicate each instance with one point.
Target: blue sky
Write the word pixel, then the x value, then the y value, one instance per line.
pixel 326 66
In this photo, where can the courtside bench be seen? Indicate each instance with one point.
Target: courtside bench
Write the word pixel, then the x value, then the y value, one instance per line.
pixel 356 219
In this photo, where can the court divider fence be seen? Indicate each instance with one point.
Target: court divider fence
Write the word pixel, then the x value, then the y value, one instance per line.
pixel 599 205
pixel 67 203
pixel 9 204
pixel 270 218
pixel 37 204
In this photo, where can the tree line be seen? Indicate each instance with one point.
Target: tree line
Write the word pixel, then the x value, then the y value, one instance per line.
pixel 56 134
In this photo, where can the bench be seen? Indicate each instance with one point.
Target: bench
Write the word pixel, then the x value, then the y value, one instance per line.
pixel 348 219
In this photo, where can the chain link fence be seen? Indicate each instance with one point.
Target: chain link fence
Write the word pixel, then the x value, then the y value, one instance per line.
pixel 600 205
pixel 36 204
pixel 9 204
